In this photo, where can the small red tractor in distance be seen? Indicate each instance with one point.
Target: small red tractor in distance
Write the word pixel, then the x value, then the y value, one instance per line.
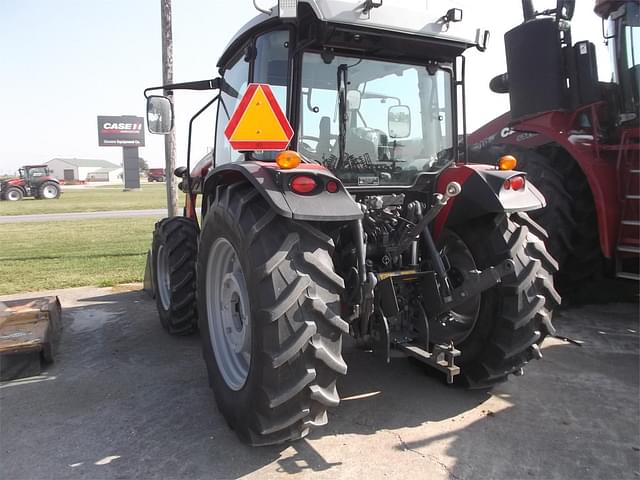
pixel 369 225
pixel 156 175
pixel 577 138
pixel 34 181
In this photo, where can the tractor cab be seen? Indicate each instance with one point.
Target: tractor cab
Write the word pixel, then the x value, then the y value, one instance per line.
pixel 371 92
pixel 621 27
pixel 32 173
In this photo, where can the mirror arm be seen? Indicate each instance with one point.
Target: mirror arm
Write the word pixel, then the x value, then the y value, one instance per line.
pixel 196 115
pixel 465 144
pixel 212 84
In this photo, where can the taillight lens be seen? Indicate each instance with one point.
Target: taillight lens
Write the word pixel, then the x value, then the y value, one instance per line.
pixel 303 184
pixel 514 183
pixel 332 186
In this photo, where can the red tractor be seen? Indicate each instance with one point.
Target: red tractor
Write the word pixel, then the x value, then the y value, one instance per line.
pixel 368 224
pixel 34 181
pixel 577 138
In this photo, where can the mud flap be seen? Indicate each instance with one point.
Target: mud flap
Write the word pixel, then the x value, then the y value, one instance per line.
pixel 148 284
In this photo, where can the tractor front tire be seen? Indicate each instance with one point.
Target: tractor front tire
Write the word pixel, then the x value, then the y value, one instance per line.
pixel 514 317
pixel 174 254
pixel 268 303
pixel 13 194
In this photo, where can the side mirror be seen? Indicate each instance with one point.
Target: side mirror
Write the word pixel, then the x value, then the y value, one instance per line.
pixel 353 99
pixel 399 119
pixel 564 9
pixel 180 171
pixel 500 83
pixel 159 114
pixel 482 39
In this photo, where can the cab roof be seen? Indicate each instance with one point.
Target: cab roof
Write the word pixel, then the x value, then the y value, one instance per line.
pixel 411 18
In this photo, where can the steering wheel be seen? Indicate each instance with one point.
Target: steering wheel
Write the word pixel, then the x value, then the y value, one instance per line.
pixel 306 149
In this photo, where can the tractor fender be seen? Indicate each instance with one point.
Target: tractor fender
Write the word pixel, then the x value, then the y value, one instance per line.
pixel 273 184
pixel 483 193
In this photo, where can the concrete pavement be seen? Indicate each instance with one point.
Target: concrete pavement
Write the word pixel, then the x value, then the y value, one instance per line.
pixel 125 400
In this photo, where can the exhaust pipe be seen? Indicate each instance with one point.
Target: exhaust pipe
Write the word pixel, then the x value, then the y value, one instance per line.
pixel 527 10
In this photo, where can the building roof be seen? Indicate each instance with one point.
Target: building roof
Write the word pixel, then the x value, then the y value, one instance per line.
pixel 86 162
pixel 105 170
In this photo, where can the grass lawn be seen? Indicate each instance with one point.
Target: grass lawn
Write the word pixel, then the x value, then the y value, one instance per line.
pixel 93 199
pixel 50 255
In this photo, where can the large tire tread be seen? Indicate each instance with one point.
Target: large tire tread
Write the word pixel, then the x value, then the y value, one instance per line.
pixel 523 301
pixel 297 294
pixel 569 218
pixel 180 236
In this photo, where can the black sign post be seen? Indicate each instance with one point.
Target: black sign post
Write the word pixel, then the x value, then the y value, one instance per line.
pixel 126 131
pixel 131 168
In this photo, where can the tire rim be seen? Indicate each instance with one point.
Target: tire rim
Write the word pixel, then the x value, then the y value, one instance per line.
pixel 228 313
pixel 49 192
pixel 13 195
pixel 164 280
pixel 463 318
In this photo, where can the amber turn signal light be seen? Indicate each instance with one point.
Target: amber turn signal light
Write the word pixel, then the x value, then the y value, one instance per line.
pixel 507 162
pixel 288 159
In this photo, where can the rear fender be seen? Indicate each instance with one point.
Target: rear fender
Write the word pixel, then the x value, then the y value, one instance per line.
pixel 273 184
pixel 483 193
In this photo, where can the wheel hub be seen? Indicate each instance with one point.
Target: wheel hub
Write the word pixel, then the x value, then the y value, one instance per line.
pixel 234 318
pixel 456 325
pixel 228 313
pixel 49 192
pixel 13 195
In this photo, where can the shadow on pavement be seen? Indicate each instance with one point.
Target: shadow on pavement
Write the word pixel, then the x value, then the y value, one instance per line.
pixel 125 400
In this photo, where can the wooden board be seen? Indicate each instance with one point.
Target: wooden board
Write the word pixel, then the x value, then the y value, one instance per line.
pixel 28 328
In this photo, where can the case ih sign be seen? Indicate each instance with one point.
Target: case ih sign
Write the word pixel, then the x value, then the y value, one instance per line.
pixel 122 131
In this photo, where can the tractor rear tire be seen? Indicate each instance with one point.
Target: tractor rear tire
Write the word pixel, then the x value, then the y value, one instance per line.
pixel 514 317
pixel 174 254
pixel 13 194
pixel 274 371
pixel 569 218
pixel 49 191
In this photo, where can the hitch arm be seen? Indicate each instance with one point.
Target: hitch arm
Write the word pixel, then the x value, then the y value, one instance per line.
pixel 476 283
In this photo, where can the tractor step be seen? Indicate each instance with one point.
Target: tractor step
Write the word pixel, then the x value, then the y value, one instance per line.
pixel 628 248
pixel 29 333
pixel 628 276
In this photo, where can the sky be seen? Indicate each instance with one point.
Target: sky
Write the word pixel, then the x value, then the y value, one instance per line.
pixel 64 62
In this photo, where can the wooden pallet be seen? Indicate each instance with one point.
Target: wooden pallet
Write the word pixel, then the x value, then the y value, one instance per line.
pixel 29 333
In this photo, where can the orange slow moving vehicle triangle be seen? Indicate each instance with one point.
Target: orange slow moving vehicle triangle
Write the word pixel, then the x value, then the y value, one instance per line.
pixel 258 123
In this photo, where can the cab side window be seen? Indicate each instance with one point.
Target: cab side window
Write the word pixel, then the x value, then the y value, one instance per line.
pixel 272 66
pixel 235 81
pixel 272 63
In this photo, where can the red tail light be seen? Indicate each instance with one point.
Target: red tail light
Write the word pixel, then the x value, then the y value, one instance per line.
pixel 303 184
pixel 332 186
pixel 514 183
